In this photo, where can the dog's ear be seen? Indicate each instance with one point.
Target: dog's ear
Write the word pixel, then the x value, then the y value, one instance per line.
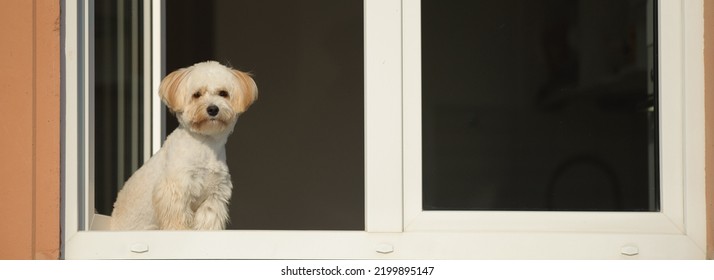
pixel 248 92
pixel 170 87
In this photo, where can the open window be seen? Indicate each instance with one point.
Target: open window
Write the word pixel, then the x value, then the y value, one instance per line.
pixel 404 129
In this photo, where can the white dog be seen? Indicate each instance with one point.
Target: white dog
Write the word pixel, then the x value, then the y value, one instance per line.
pixel 186 185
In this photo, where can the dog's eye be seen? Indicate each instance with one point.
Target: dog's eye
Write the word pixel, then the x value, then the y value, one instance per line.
pixel 223 93
pixel 196 94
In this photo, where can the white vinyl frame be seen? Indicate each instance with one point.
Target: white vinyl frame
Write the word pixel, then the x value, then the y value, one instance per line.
pixel 395 225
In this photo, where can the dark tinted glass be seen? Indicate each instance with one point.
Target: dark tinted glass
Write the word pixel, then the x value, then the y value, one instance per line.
pixel 119 97
pixel 539 105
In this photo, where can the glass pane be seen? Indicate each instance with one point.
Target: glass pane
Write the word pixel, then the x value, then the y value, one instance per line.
pixel 118 97
pixel 296 156
pixel 539 105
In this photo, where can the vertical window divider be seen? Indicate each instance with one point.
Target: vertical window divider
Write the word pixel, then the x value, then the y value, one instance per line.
pixel 87 113
pixel 147 93
pixel 383 116
pixel 412 138
pixel 158 67
pixel 694 142
pixel 71 136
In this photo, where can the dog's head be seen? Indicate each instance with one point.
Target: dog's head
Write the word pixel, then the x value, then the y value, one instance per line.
pixel 208 97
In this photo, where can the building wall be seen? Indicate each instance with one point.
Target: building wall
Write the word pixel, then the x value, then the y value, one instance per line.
pixel 30 129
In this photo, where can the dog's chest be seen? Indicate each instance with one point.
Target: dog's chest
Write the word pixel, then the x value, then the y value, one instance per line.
pixel 206 181
pixel 200 168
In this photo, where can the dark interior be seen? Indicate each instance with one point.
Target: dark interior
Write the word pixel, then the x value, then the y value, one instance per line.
pixel 538 105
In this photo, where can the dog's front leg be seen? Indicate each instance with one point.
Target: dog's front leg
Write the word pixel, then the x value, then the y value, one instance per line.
pixel 212 214
pixel 172 209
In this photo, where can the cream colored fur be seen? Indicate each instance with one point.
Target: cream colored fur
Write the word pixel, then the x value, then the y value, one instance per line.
pixel 186 184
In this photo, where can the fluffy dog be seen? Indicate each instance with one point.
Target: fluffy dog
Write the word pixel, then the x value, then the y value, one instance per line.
pixel 186 185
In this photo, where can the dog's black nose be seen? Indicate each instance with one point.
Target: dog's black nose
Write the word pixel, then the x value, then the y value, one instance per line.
pixel 212 110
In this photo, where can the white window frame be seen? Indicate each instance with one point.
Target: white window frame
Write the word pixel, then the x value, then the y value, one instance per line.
pixel 395 225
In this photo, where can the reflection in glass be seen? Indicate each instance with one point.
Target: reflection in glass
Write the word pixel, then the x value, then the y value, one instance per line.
pixel 119 97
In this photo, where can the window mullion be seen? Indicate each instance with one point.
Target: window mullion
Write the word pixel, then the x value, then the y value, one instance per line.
pixel 383 113
pixel 158 62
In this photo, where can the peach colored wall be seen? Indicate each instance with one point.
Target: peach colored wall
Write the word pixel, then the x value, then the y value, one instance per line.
pixel 30 129
pixel 709 100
